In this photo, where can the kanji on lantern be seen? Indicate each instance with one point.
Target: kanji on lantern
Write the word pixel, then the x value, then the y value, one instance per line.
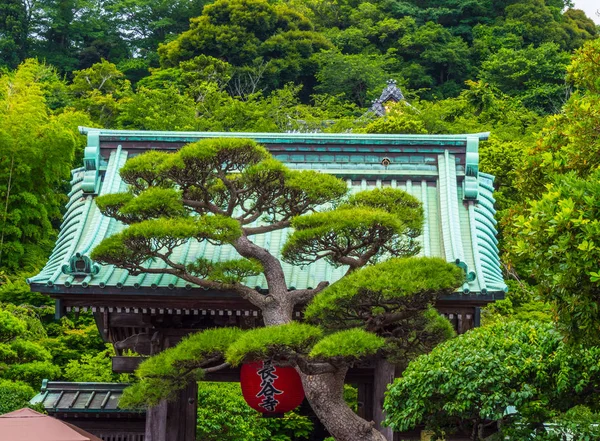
pixel 271 389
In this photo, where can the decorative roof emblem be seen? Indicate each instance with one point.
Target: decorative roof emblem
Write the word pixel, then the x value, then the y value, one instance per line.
pixel 391 93
pixel 80 265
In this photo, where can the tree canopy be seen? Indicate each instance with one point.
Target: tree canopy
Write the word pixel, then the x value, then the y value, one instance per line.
pixel 513 375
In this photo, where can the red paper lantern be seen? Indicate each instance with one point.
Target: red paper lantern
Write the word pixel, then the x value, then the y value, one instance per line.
pixel 271 389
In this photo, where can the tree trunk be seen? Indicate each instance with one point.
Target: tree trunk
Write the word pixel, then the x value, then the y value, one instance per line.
pixel 278 313
pixel 325 393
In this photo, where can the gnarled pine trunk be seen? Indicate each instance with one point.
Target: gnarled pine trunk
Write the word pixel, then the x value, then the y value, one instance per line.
pixel 325 393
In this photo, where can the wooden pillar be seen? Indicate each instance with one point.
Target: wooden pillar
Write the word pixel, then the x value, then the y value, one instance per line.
pixel 365 400
pixel 175 420
pixel 383 375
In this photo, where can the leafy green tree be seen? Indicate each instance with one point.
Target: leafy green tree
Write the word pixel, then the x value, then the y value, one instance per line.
pixel 158 109
pixel 31 173
pixel 382 311
pixel 70 339
pixel 535 75
pixel 513 375
pixel 232 30
pixel 74 34
pixel 560 176
pixel 357 78
pixel 14 395
pixel 145 24
pixel 22 357
pixel 14 33
pixel 94 368
pixel 569 141
pixel 274 39
pixel 14 289
pixel 98 91
pixel 444 57
pixel 223 415
pixel 555 240
pixel 399 118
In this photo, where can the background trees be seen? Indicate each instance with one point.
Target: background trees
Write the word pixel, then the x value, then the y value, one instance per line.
pixel 465 66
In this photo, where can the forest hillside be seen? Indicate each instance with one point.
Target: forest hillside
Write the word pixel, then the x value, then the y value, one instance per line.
pixel 528 71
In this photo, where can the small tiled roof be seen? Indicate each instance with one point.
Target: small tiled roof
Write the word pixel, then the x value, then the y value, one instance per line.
pixel 440 170
pixel 65 397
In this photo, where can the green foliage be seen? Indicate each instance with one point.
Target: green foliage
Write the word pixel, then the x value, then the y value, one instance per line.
pixel 358 232
pixel 349 344
pixel 94 368
pixel 157 109
pixel 30 172
pixel 520 304
pixel 231 271
pixel 569 141
pixel 555 239
pixel 370 294
pixel 163 375
pixel 396 121
pixel 273 342
pixel 471 380
pixel 584 70
pixel 149 238
pixel 535 75
pixel 14 395
pixel 32 373
pixel 72 340
pixel 14 289
pixel 98 90
pixel 23 356
pixel 357 78
pixel 223 415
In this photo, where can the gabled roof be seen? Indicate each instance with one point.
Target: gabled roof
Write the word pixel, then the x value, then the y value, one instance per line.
pixel 440 170
pixel 71 397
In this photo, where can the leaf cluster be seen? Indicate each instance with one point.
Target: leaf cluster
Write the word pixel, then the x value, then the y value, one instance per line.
pixel 516 373
pixel 369 226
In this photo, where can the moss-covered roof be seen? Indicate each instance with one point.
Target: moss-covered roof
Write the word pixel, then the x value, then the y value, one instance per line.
pixel 440 170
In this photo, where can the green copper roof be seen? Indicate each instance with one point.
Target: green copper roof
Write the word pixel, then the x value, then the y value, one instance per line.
pixel 67 397
pixel 441 171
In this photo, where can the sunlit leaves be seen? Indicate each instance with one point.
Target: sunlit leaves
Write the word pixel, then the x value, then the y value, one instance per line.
pixel 377 295
pixel 273 342
pixel 349 344
pixel 555 240
pixel 470 381
pixel 362 230
pixel 164 374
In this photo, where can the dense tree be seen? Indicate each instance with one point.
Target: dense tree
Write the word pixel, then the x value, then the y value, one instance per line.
pixel 555 241
pixel 512 375
pixel 535 75
pixel 145 24
pixel 30 171
pixel 553 235
pixel 378 311
pixel 14 33
pixel 22 356
pixel 357 78
pixel 223 415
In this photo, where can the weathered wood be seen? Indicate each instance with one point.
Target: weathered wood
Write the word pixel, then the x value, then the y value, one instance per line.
pixel 365 400
pixel 383 375
pixel 174 420
pixel 125 365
